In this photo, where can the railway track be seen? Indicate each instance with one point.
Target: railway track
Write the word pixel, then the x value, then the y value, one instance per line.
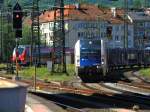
pixel 95 101
pixel 136 81
pixel 88 90
pixel 69 102
pixel 124 99
pixel 135 74
pixel 60 88
pixel 125 88
pixel 129 97
pixel 145 86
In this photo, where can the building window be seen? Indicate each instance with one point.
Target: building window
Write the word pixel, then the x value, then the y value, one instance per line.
pixel 122 27
pixel 116 38
pixel 50 34
pixel 51 38
pixel 79 34
pixel 109 32
pixel 117 28
pixel 122 37
pixel 140 24
pixel 129 33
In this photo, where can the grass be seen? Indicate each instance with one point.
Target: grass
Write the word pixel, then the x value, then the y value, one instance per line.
pixel 145 72
pixel 2 65
pixel 43 74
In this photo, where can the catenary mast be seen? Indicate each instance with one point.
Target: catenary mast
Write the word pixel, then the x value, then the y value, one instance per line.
pixel 59 57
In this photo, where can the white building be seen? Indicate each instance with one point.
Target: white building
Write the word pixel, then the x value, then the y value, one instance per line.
pixel 141 28
pixel 88 21
pixel 84 29
pixel 118 37
pixel 77 25
pixel 47 33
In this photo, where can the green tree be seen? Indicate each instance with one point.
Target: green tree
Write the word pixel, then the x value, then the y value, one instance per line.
pixel 8 41
pixel 137 4
pixel 83 1
pixel 26 35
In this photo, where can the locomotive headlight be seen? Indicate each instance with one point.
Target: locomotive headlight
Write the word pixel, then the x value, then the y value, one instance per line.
pixel 98 67
pixel 82 59
pixel 90 42
pixel 102 61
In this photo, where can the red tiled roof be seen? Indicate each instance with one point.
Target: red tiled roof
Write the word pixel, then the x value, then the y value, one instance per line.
pixel 46 16
pixel 85 12
pixel 27 21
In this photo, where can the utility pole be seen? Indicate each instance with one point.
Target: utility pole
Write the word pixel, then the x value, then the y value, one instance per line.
pixel 1 30
pixel 125 24
pixel 1 39
pixel 9 31
pixel 35 39
pixel 17 26
pixel 59 55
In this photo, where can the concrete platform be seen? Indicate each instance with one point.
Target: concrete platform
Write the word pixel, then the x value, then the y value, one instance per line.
pixel 7 84
pixel 33 104
pixel 38 104
pixel 12 96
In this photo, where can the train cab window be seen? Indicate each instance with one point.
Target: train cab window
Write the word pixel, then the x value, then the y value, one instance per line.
pixel 20 50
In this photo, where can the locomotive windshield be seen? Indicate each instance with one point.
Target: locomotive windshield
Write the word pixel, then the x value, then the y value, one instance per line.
pixel 90 52
pixel 20 50
pixel 90 44
pixel 90 48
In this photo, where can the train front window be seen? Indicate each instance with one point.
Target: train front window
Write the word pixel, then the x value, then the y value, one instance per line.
pixel 89 53
pixel 90 49
pixel 87 44
pixel 20 50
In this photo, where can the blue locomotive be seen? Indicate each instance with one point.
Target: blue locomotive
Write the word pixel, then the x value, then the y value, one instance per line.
pixel 93 60
pixel 89 58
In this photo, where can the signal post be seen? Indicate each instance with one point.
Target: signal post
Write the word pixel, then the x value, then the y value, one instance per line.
pixel 17 26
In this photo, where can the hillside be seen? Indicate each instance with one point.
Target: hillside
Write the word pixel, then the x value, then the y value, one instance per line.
pixel 105 3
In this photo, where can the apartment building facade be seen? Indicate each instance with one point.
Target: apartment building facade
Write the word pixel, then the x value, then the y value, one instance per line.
pixel 88 22
pixel 141 28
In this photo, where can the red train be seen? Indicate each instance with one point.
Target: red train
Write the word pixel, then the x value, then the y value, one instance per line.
pixel 24 54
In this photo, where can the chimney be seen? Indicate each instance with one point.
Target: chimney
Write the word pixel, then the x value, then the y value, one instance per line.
pixel 113 11
pixel 147 11
pixel 77 5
